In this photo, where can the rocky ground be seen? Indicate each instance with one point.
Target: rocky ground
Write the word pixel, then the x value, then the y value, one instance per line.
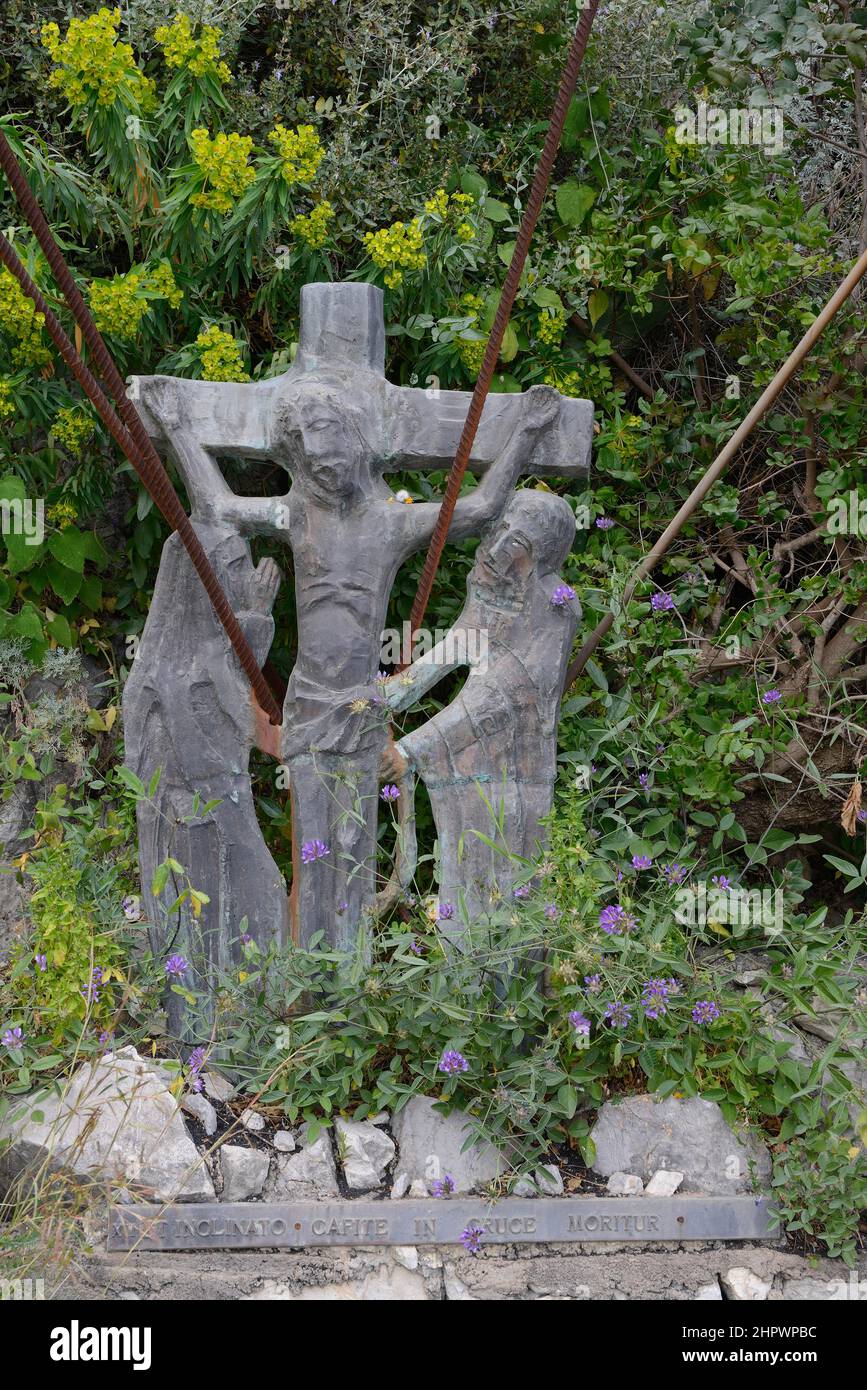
pixel 120 1120
pixel 119 1123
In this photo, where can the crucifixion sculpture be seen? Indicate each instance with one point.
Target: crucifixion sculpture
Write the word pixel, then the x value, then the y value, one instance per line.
pixel 336 425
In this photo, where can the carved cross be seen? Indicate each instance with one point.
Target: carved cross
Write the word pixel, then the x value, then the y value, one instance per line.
pixel 342 329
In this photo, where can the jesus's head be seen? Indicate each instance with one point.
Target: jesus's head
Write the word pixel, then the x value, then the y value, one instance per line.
pixel 319 434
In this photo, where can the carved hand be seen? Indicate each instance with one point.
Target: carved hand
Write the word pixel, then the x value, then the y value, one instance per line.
pixel 162 396
pixel 541 408
pixel 392 764
pixel 264 583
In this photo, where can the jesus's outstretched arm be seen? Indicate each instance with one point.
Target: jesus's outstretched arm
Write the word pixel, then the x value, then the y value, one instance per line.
pixel 477 508
pixel 211 498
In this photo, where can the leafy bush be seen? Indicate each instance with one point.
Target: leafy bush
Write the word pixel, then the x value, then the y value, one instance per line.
pixel 67 983
pixel 199 169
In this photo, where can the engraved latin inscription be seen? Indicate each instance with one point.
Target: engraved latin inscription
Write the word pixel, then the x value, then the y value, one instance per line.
pixel 420 1223
pixel 627 1225
pixel 354 1227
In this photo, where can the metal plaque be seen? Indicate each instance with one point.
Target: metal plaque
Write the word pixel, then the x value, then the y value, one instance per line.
pixel 293 1225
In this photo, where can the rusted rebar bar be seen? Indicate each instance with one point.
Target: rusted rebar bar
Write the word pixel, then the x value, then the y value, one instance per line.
pixel 128 431
pixel 155 479
pixel 501 318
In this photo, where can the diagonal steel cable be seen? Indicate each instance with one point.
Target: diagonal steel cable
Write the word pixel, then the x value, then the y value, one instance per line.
pixel 128 431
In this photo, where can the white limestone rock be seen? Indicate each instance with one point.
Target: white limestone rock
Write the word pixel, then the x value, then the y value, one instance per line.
pixel 244 1172
pixel 642 1134
pixel 307 1176
pixel 664 1183
pixel 544 1182
pixel 115 1120
pixel 216 1086
pixel 202 1110
pixel 743 1286
pixel 624 1185
pixel 365 1153
pixel 430 1145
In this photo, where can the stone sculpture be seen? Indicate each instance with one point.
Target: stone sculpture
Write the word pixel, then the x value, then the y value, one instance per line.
pixel 337 427
pixel 188 713
pixel 489 759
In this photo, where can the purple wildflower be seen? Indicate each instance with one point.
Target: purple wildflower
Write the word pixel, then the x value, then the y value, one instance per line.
pixel 13 1038
pixel 195 1062
pixel 312 850
pixel 593 983
pixel 562 595
pixel 720 881
pixel 42 962
pixel 390 792
pixel 445 912
pixel 579 1022
pixel 654 996
pixel 605 523
pixel 522 891
pixel 444 1186
pixel 641 861
pixel 643 779
pixel 614 920
pixel 552 911
pixel 414 947
pixel 341 907
pixel 471 1238
pixel 90 993
pixel 106 1037
pixel 452 1062
pixel 662 603
pixel 675 873
pixel 705 1011
pixel 176 965
pixel 617 1014
pixel 771 697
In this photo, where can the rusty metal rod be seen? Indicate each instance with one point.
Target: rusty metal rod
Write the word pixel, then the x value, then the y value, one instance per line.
pixel 129 430
pixel 156 481
pixel 724 458
pixel 501 318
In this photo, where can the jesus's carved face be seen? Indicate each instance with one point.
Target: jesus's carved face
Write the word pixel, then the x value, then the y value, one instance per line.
pixel 320 443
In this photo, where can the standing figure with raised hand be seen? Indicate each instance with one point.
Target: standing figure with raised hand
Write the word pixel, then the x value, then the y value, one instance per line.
pixel 489 759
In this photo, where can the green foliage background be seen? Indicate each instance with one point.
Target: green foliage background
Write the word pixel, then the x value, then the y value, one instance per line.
pixel 666 281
